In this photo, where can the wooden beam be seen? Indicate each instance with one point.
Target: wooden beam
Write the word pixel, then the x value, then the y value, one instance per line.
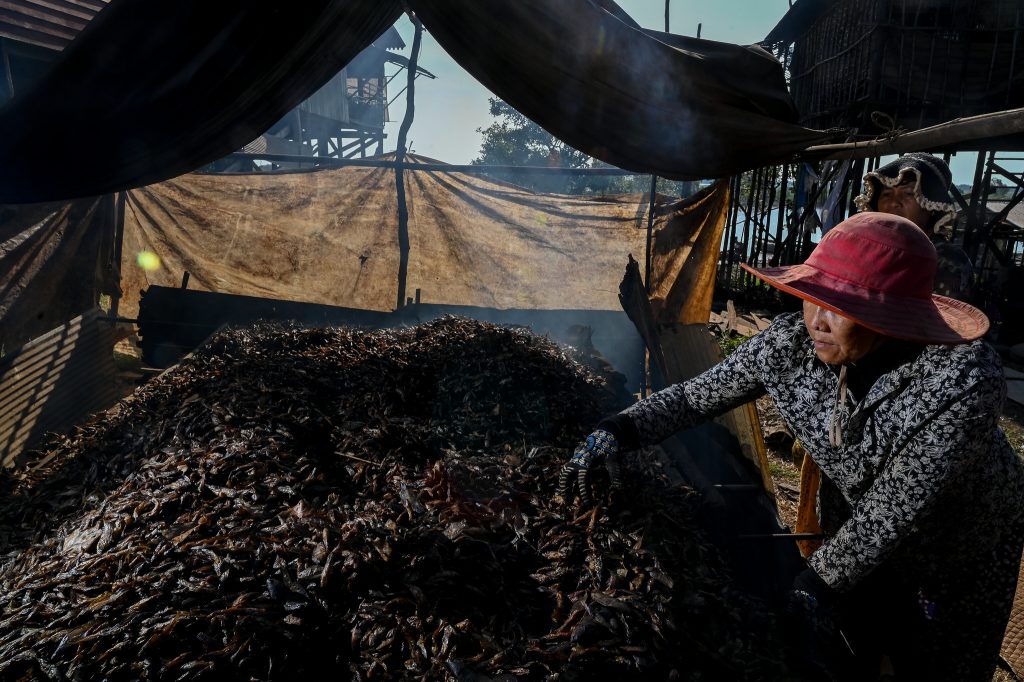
pixel 957 131
pixel 441 167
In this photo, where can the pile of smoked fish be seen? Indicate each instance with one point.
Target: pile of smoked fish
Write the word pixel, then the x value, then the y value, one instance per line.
pixel 293 503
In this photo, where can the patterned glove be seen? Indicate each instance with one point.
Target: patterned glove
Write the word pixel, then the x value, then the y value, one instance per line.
pixel 818 645
pixel 599 446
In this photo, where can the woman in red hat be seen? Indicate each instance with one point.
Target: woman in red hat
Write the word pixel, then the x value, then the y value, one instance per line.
pixel 896 398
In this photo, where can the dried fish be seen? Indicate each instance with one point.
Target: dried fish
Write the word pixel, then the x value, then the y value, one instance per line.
pixel 340 503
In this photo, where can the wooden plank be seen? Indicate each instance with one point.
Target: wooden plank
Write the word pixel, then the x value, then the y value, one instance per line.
pixel 24 22
pixel 690 350
pixel 31 387
pixel 71 24
pixel 54 381
pixel 51 24
pixel 82 9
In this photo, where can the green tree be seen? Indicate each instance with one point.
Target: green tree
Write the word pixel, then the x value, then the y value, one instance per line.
pixel 515 140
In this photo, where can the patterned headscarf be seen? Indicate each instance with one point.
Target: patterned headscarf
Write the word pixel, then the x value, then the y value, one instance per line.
pixel 932 179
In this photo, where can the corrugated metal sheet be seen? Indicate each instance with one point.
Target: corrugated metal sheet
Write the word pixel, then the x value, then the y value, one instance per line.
pixel 331 100
pixel 47 23
pixel 269 144
pixel 1016 215
pixel 54 381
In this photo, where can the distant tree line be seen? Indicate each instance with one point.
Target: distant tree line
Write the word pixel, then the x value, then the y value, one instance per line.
pixel 514 140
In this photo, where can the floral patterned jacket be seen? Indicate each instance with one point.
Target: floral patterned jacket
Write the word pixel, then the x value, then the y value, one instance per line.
pixel 920 461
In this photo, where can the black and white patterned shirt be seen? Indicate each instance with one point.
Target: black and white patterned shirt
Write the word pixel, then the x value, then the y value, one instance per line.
pixel 921 463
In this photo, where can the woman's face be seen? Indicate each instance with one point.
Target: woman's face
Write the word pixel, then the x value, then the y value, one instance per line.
pixel 900 200
pixel 838 340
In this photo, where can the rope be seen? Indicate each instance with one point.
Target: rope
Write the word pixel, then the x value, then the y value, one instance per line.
pixel 835 429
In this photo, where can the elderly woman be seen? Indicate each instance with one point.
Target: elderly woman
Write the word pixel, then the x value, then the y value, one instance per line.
pixel 896 399
pixel 916 186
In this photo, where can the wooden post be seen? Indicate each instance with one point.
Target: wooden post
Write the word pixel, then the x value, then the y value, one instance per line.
pixel 650 208
pixel 781 221
pixel 119 206
pixel 403 133
pixel 755 184
pixel 730 226
pixel 975 215
pixel 650 234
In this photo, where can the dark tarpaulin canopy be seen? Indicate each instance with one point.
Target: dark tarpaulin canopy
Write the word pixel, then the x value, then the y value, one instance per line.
pixel 152 89
pixel 646 101
pixel 155 88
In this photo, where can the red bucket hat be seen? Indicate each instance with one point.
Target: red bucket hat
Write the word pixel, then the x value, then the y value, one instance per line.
pixel 878 270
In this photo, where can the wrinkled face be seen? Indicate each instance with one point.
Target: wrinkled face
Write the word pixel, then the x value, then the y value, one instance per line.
pixel 838 340
pixel 900 200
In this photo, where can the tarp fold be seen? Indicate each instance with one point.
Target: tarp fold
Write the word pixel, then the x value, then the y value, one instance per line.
pixel 152 89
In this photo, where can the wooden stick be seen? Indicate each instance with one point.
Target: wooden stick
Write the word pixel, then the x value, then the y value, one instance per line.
pixel 349 455
pixel 403 132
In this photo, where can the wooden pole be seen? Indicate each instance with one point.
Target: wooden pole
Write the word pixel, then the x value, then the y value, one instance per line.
pixel 730 236
pixel 403 133
pixel 650 233
pixel 119 206
pixel 650 208
pixel 781 219
pixel 998 124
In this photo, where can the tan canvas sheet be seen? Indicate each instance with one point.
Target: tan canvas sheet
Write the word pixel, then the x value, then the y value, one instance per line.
pixel 684 258
pixel 55 261
pixel 330 236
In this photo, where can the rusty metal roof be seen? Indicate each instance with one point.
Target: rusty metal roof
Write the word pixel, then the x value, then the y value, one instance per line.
pixel 47 23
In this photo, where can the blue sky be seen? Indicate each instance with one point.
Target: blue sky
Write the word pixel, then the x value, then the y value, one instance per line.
pixel 450 109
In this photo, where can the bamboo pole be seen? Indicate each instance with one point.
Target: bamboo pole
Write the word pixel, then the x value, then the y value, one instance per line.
pixel 650 234
pixel 997 124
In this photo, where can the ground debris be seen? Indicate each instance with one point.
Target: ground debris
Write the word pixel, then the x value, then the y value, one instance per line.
pixel 363 505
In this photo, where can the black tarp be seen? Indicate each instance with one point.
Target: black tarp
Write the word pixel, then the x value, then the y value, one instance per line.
pixel 642 100
pixel 154 88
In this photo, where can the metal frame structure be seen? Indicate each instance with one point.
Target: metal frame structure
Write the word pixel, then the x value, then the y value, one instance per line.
pixel 881 68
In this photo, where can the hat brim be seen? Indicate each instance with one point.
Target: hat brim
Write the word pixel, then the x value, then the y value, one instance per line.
pixel 938 319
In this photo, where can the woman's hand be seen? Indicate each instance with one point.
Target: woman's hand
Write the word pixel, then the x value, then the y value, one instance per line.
pixel 819 647
pixel 600 446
